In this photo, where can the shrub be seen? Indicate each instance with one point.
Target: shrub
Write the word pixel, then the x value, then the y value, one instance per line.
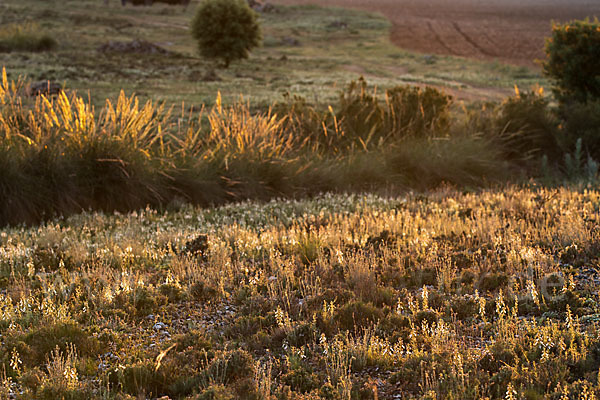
pixel 225 30
pixel 572 60
pixel 357 315
pixel 581 120
pixel 45 339
pixel 407 111
pixel 416 111
pixel 527 126
pixel 24 37
pixel 362 120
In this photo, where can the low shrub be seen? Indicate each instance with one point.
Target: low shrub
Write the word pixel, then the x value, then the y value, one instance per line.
pixel 361 120
pixel 25 37
pixel 527 126
pixel 581 121
pixel 414 111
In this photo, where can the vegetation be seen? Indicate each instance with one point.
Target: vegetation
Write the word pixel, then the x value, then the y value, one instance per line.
pixel 59 156
pixel 24 37
pixel 226 29
pixel 470 296
pixel 573 52
pixel 114 284
pixel 304 51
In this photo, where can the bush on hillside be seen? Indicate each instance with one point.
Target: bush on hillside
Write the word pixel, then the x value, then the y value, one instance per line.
pixel 24 37
pixel 226 30
pixel 573 52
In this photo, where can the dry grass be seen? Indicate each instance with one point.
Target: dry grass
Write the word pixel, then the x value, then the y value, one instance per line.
pixel 446 295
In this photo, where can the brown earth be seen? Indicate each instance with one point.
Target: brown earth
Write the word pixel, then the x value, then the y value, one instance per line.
pixel 511 31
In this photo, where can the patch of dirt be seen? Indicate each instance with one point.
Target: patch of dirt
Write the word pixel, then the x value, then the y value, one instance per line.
pixel 135 46
pixel 511 31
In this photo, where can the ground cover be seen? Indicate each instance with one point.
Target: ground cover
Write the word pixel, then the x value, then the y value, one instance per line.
pixel 307 50
pixel 476 295
pixel 476 289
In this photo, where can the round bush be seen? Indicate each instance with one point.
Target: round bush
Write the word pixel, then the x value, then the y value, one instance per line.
pixel 573 52
pixel 226 30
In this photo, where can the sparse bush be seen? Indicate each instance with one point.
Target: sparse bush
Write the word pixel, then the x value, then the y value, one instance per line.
pixel 225 30
pixel 413 111
pixel 527 126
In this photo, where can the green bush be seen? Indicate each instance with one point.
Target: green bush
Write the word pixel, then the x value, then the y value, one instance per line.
pixel 24 37
pixel 225 30
pixel 407 111
pixel 572 60
pixel 581 120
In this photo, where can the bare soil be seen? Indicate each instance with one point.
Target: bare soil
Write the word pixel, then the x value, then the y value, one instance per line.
pixel 511 31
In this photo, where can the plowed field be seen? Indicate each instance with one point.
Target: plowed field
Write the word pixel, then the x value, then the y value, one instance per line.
pixel 511 31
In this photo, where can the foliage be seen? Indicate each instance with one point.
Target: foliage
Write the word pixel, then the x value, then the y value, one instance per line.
pixel 59 156
pixel 581 120
pixel 388 299
pixel 225 29
pixel 573 52
pixel 24 37
pixel 527 126
pixel 362 120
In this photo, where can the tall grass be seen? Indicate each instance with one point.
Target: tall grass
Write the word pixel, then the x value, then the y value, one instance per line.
pixel 58 155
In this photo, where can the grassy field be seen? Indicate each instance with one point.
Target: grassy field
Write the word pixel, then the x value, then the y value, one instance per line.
pixel 356 239
pixel 466 296
pixel 309 51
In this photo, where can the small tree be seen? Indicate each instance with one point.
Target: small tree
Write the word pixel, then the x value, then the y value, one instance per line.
pixel 573 60
pixel 226 30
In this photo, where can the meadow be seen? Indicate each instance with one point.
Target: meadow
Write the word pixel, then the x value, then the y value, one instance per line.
pixel 332 218
pixel 490 294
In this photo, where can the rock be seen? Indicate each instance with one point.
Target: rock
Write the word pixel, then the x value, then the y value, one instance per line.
pixel 261 6
pixel 199 245
pixel 290 41
pixel 46 88
pixel 429 59
pixel 210 76
pixel 338 25
pixel 150 2
pixel 159 326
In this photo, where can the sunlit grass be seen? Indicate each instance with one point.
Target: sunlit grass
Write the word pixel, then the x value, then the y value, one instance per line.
pixel 491 291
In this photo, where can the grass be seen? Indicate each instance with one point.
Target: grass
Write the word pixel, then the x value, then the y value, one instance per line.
pixel 117 281
pixel 24 38
pixel 447 295
pixel 60 155
pixel 326 59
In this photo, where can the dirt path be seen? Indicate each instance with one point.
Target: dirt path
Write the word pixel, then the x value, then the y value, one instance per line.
pixel 510 31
